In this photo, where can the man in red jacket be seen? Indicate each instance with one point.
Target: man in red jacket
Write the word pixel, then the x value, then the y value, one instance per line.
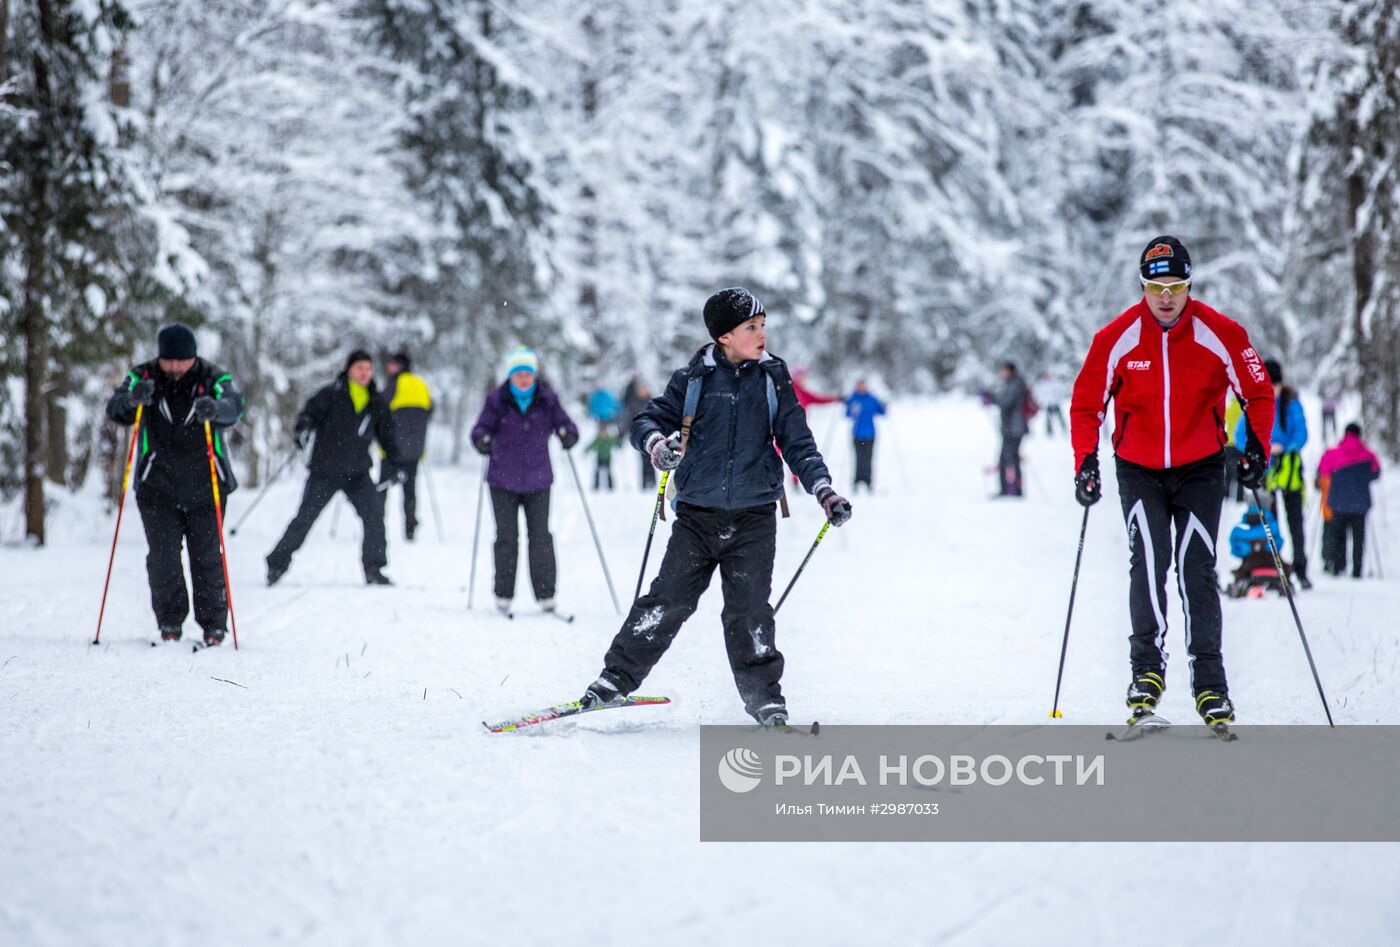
pixel 1166 364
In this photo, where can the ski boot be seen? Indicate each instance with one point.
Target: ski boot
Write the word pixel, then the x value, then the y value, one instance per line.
pixel 1214 706
pixel 773 717
pixel 547 605
pixel 503 606
pixel 376 577
pixel 1143 694
pixel 600 692
pixel 170 632
pixel 213 637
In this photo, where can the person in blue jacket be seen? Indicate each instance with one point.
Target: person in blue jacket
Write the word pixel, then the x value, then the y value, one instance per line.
pixel 1286 463
pixel 862 408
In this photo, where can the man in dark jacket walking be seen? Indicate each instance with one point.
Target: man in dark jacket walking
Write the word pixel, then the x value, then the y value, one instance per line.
pixel 513 431
pixel 181 391
pixel 411 405
pixel 341 421
pixel 1010 400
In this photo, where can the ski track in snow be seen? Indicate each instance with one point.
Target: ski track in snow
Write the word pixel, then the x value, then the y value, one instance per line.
pixel 327 800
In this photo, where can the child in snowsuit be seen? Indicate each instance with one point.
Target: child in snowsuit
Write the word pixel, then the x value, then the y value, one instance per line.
pixel 602 445
pixel 715 426
pixel 1248 543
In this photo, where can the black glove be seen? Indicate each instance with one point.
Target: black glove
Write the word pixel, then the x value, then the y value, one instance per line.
pixel 303 437
pixel 836 507
pixel 482 444
pixel 205 408
pixel 567 437
pixel 1088 484
pixel 1253 465
pixel 144 392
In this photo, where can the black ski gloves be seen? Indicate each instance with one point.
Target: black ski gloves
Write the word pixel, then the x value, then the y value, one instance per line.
pixel 567 437
pixel 482 444
pixel 205 408
pixel 143 392
pixel 836 507
pixel 1088 484
pixel 1254 463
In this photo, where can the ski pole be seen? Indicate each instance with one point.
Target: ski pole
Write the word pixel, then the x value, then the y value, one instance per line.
pixel 1288 591
pixel 121 505
pixel 1073 587
pixel 432 500
pixel 655 515
pixel 261 493
pixel 219 522
pixel 596 543
pixel 805 559
pixel 476 533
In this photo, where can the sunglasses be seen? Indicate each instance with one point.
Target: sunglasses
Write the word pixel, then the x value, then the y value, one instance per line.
pixel 1155 288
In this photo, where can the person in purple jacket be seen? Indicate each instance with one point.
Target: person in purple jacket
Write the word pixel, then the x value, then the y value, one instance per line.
pixel 513 431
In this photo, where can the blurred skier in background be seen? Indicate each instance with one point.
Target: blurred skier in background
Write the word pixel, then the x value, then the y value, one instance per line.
pixel 411 405
pixel 862 408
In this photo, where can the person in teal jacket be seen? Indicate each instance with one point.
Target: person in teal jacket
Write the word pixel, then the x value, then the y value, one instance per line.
pixel 1286 462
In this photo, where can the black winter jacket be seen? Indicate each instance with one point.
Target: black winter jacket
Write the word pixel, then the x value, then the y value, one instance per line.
pixel 172 458
pixel 729 462
pixel 343 435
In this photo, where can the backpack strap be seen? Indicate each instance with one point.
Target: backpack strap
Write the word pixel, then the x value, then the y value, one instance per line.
pixel 772 418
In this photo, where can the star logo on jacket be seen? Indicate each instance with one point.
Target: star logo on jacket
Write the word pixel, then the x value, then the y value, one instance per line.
pixel 1139 365
pixel 1254 364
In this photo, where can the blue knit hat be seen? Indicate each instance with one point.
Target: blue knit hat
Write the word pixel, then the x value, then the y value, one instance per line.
pixel 521 359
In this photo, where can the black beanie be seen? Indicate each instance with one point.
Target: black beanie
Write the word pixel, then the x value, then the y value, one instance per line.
pixel 175 341
pixel 359 355
pixel 729 308
pixel 404 361
pixel 1165 256
pixel 1275 371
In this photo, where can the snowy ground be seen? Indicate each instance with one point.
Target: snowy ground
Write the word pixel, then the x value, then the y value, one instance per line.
pixel 337 787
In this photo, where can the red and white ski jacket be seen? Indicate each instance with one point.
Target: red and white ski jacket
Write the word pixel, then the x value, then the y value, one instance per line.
pixel 1167 387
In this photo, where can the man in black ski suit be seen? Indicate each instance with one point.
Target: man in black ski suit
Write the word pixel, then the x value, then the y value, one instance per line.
pixel 179 392
pixel 341 421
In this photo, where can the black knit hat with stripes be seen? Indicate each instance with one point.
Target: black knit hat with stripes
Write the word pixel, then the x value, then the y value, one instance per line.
pixel 730 308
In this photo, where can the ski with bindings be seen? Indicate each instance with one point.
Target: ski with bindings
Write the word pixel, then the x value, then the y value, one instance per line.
pixel 1139 727
pixel 571 709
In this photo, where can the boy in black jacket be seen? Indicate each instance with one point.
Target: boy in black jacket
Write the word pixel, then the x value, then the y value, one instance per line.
pixel 345 417
pixel 715 426
pixel 179 392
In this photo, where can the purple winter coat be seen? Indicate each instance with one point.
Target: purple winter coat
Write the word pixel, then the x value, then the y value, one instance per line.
pixel 520 442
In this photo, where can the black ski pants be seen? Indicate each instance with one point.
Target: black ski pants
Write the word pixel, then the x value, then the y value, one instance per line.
pixel 368 504
pixel 603 473
pixel 741 543
pixel 1009 466
pixel 168 528
pixel 865 462
pixel 1186 498
pixel 1344 524
pixel 543 569
pixel 410 490
pixel 1293 509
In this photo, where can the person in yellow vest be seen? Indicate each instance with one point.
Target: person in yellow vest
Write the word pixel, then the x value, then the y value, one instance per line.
pixel 1233 452
pixel 411 405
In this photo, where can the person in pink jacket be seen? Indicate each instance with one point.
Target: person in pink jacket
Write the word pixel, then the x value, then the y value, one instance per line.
pixel 1349 468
